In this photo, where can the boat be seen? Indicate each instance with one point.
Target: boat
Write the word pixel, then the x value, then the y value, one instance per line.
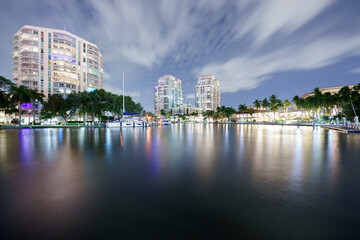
pixel 127 122
pixel 164 121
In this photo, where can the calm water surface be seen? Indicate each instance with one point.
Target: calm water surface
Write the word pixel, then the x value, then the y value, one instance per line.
pixel 180 182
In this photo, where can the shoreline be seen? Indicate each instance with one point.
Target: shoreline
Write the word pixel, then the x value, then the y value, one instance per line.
pixel 328 127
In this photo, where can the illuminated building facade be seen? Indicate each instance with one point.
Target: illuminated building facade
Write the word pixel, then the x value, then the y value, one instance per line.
pixel 207 96
pixel 168 93
pixel 55 61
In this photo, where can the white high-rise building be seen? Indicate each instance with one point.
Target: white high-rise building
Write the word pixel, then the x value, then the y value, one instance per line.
pixel 207 95
pixel 168 93
pixel 56 61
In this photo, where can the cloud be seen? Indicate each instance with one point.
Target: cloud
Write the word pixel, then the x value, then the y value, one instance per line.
pixel 268 17
pixel 107 76
pixel 355 71
pixel 190 96
pixel 249 71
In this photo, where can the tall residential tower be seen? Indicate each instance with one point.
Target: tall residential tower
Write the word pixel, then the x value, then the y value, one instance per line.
pixel 56 61
pixel 168 93
pixel 207 95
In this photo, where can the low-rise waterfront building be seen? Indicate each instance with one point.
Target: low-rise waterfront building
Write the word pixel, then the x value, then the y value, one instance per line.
pixel 185 109
pixel 331 90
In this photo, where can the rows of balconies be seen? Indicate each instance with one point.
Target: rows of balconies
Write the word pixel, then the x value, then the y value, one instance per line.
pixel 57 44
pixel 93 57
pixel 63 74
pixel 30 83
pixel 92 48
pixel 29 49
pixel 32 61
pixel 64 69
pixel 28 55
pixel 64 52
pixel 65 80
pixel 29 78
pixel 28 37
pixel 91 53
pixel 29 66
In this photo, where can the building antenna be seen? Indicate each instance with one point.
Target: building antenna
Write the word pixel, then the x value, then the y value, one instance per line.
pixel 64 27
pixel 123 93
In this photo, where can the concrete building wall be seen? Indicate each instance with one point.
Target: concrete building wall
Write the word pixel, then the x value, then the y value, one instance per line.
pixel 207 96
pixel 56 61
pixel 168 93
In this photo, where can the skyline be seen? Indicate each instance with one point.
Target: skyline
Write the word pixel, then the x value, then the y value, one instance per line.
pixel 255 49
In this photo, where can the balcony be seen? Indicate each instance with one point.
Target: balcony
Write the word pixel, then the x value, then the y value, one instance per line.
pixel 34 61
pixel 29 78
pixel 29 55
pixel 28 37
pixel 29 49
pixel 31 66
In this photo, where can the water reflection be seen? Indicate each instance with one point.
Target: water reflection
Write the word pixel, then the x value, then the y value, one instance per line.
pixel 245 172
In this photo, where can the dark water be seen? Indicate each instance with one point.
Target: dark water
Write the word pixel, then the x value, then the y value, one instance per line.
pixel 180 182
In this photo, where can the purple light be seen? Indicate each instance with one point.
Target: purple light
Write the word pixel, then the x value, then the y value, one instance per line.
pixel 26 106
pixel 62 57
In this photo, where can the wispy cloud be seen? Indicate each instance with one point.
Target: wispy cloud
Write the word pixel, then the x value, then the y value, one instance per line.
pixel 190 96
pixel 355 71
pixel 244 43
pixel 248 71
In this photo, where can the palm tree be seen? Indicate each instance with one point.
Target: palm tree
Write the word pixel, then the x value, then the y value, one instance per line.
pixel 329 102
pixel 20 94
pixel 274 104
pixel 36 96
pixel 265 104
pixel 347 95
pixel 257 104
pixel 300 104
pixel 286 104
pixel 319 100
pixel 242 108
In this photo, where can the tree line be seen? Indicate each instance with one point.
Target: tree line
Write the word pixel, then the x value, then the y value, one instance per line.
pixel 94 103
pixel 321 103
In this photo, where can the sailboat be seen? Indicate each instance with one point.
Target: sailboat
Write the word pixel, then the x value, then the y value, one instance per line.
pixel 126 122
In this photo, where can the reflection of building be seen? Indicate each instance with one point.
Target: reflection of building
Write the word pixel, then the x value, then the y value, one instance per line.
pixel 56 61
pixel 168 93
pixel 185 109
pixel 207 95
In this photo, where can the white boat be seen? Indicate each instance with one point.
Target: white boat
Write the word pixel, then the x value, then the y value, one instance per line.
pixel 165 122
pixel 127 123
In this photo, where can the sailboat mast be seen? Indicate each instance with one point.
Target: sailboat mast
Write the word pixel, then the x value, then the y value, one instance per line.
pixel 123 94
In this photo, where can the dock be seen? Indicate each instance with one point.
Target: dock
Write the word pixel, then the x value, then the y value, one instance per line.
pixel 340 129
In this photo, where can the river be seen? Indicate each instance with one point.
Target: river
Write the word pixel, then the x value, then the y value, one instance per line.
pixel 185 181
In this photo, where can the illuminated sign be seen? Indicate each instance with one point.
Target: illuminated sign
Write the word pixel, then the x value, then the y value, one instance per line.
pixel 64 58
pixel 89 89
pixel 26 106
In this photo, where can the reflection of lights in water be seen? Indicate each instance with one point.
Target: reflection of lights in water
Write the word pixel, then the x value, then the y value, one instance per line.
pixel 317 154
pixel 121 138
pixel 25 144
pixel 108 142
pixel 333 153
pixel 296 171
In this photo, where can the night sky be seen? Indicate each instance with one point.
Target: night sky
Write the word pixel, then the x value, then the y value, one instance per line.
pixel 254 48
